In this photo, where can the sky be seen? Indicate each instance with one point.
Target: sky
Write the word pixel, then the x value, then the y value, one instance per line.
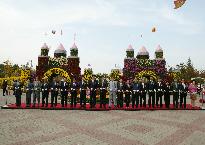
pixel 104 29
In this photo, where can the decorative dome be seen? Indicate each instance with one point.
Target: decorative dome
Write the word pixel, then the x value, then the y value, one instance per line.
pixel 143 51
pixel 74 46
pixel 60 49
pixel 45 46
pixel 159 49
pixel 130 48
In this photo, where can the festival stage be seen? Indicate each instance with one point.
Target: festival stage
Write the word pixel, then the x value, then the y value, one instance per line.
pixel 58 107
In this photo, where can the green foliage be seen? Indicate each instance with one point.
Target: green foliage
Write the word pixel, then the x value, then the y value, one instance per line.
pixel 74 52
pixel 159 54
pixel 130 54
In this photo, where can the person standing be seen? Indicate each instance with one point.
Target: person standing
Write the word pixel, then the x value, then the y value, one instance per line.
pixel 54 92
pixel 18 92
pixel 64 92
pixel 159 93
pixel 128 93
pixel 5 86
pixel 143 93
pixel 120 91
pixel 93 86
pixel 29 90
pixel 151 89
pixel 175 88
pixel 74 90
pixel 45 92
pixel 113 90
pixel 167 93
pixel 193 92
pixel 36 92
pixel 183 93
pixel 83 88
pixel 136 87
pixel 103 90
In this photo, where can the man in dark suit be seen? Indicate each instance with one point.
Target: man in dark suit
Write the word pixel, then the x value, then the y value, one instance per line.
pixel 45 92
pixel 128 93
pixel 93 86
pixel 74 92
pixel 136 87
pixel 183 89
pixel 29 90
pixel 167 93
pixel 151 91
pixel 54 92
pixel 83 88
pixel 64 92
pixel 159 93
pixel 103 90
pixel 4 86
pixel 18 92
pixel 175 88
pixel 143 92
pixel 120 91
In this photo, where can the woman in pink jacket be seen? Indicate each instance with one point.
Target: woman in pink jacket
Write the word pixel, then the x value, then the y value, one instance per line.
pixel 193 92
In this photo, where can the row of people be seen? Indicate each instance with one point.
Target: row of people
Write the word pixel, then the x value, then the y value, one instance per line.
pixel 135 92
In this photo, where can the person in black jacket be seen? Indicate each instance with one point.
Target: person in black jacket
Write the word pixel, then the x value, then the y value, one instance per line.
pixel 175 87
pixel 74 93
pixel 167 93
pixel 151 91
pixel 18 92
pixel 143 91
pixel 45 92
pixel 128 92
pixel 83 88
pixel 183 89
pixel 93 86
pixel 64 92
pixel 120 91
pixel 54 92
pixel 29 91
pixel 159 93
pixel 103 90
pixel 4 86
pixel 136 87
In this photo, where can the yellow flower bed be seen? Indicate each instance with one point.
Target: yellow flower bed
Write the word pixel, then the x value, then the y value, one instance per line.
pixel 148 73
pixel 57 71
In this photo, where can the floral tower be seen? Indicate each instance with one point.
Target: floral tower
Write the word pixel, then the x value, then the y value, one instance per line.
pixel 143 66
pixel 60 64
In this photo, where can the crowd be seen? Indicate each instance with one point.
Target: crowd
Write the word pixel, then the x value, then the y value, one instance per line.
pixel 130 92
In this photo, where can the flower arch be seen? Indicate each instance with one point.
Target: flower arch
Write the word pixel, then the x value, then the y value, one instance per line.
pixel 57 71
pixel 146 73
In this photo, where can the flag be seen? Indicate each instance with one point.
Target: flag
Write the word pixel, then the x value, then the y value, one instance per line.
pixel 178 3
pixel 153 29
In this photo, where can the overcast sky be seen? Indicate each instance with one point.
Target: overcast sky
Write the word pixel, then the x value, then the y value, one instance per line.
pixel 104 29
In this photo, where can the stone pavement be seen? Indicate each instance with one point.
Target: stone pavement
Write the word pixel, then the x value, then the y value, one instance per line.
pixel 78 127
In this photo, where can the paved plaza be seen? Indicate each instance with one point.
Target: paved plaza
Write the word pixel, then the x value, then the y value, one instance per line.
pixel 79 127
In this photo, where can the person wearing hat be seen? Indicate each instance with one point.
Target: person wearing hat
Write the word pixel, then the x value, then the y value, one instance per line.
pixel 29 91
pixel 103 90
pixel 120 92
pixel 93 86
pixel 159 93
pixel 45 92
pixel 136 87
pixel 175 89
pixel 64 92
